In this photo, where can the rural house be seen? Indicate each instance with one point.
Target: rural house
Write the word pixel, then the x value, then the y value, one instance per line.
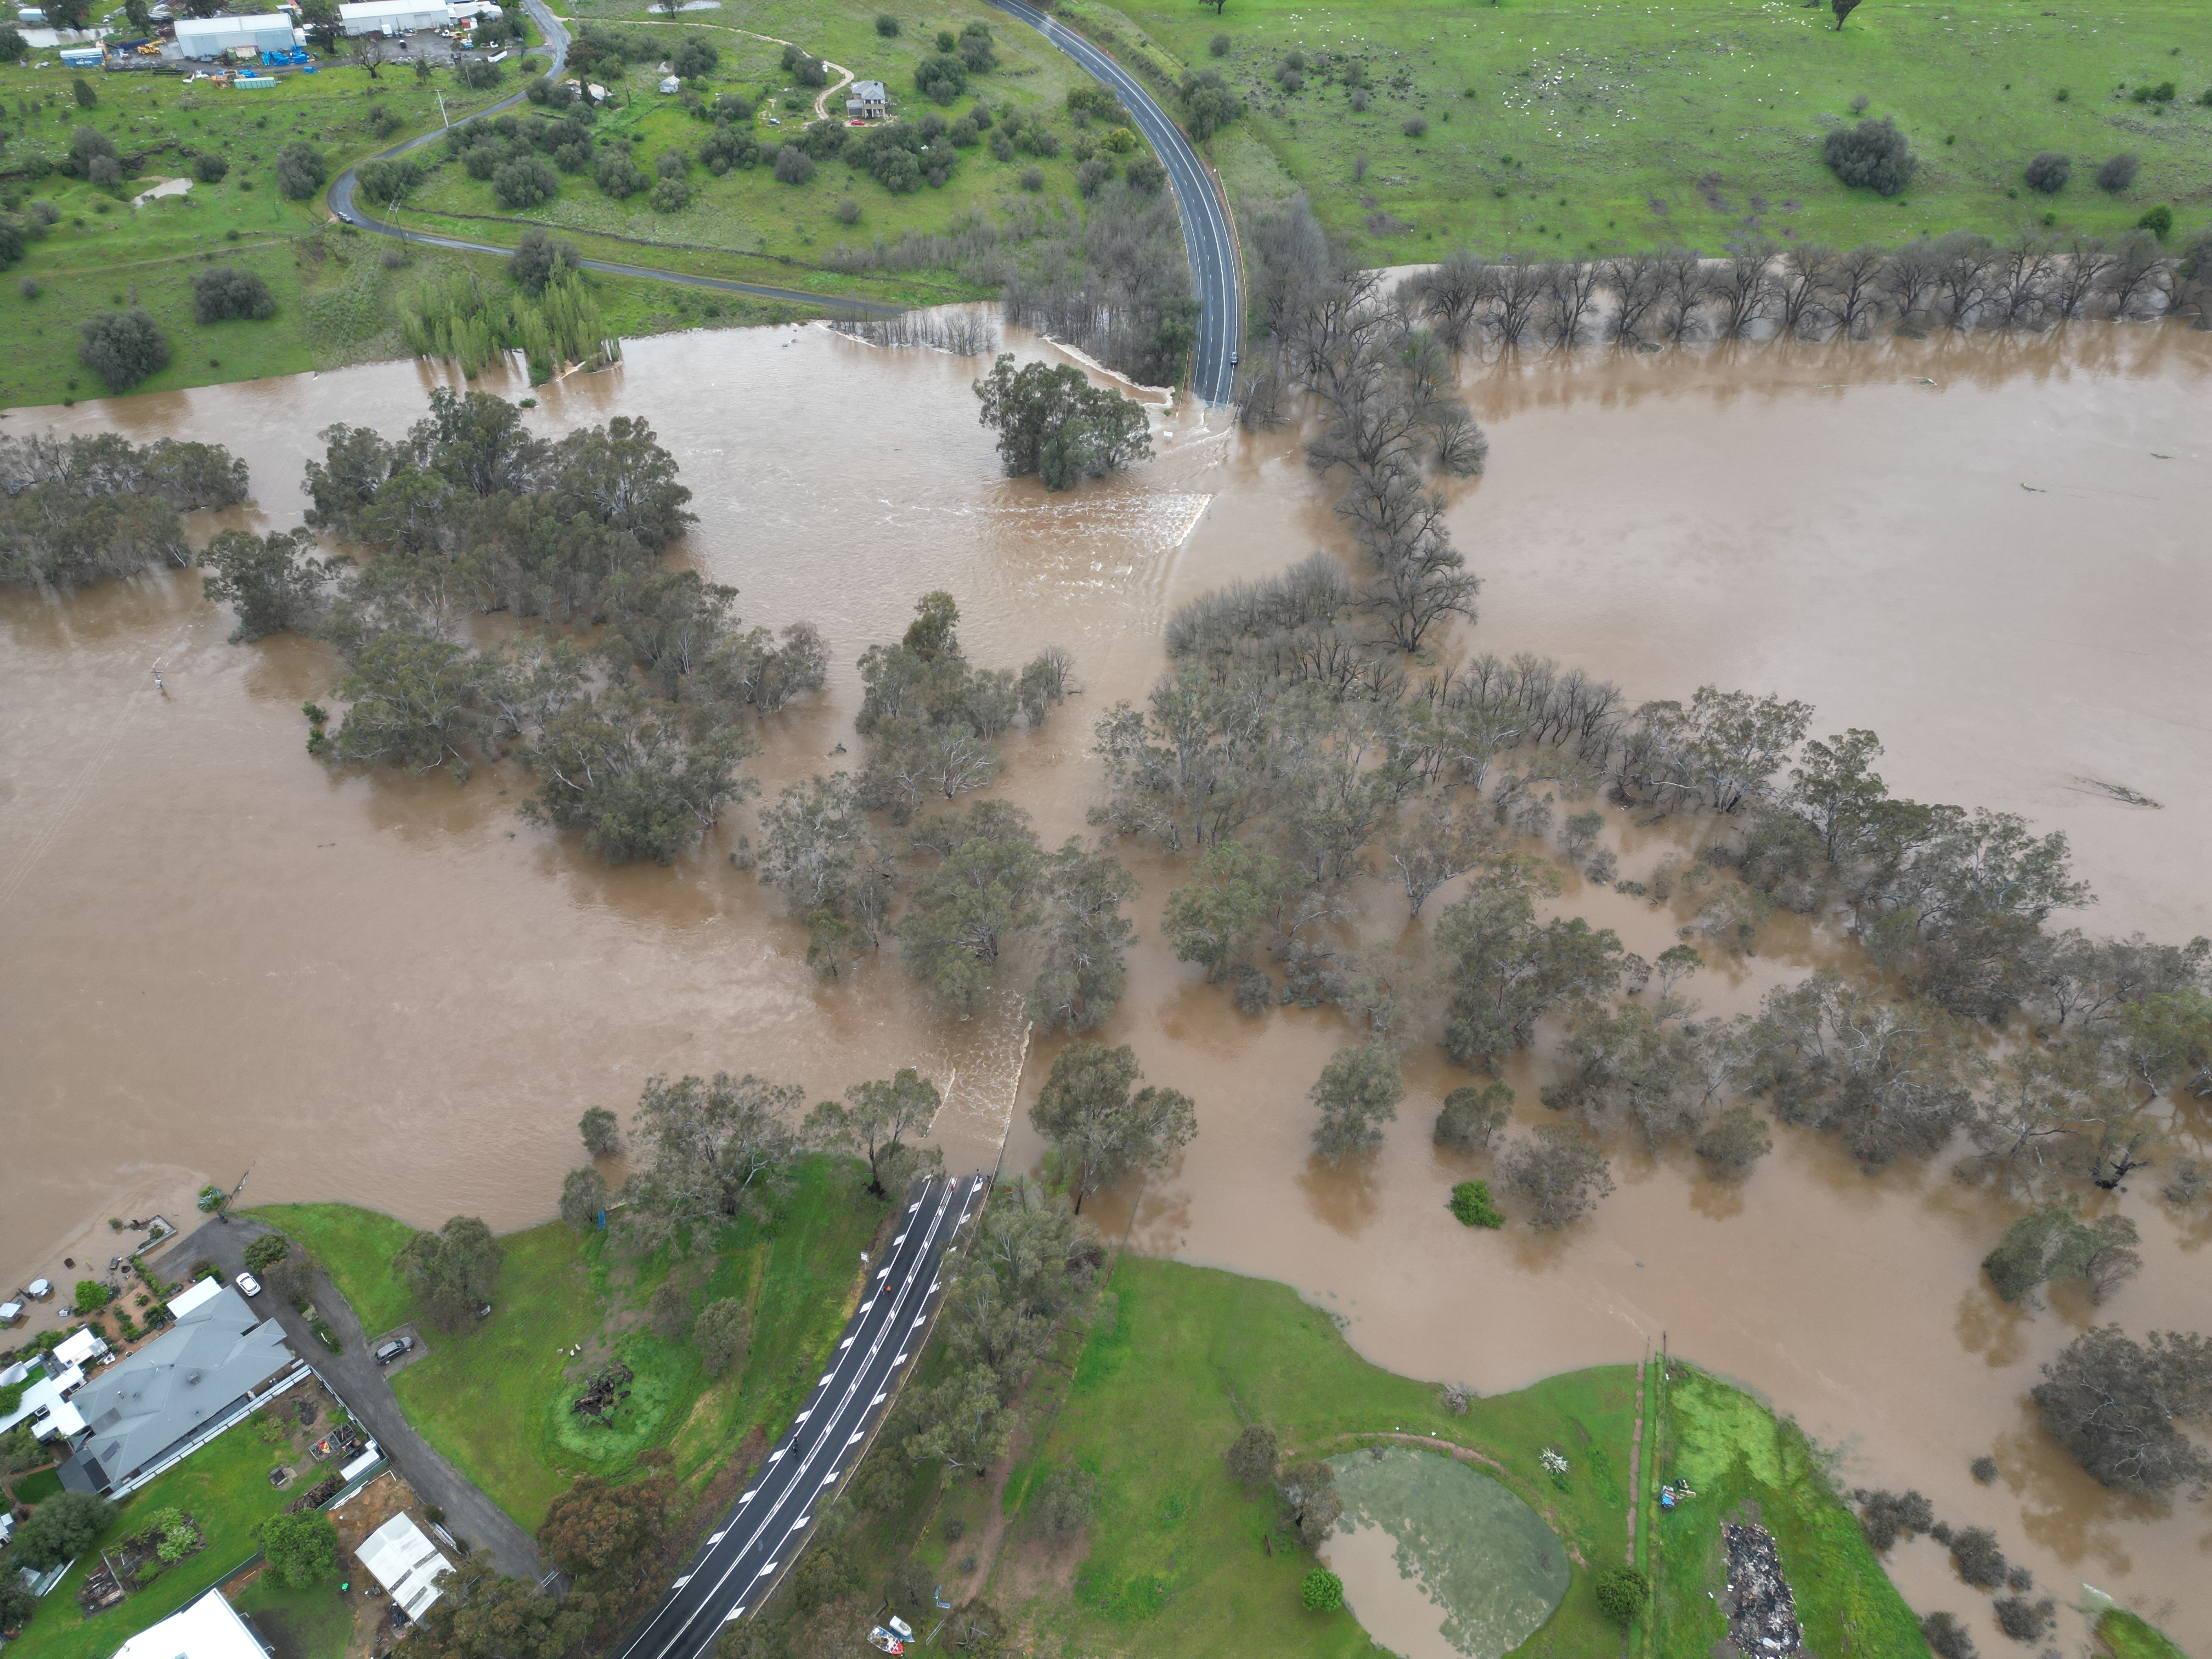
pixel 867 102
pixel 140 1416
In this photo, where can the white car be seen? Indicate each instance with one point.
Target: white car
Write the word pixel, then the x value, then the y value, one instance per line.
pixel 248 1283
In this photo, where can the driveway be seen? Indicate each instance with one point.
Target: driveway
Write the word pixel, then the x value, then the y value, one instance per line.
pixel 471 1516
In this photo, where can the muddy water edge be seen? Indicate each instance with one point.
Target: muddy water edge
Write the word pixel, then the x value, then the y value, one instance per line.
pixel 223 958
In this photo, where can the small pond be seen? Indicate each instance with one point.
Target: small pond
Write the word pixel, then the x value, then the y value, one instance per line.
pixel 1440 1561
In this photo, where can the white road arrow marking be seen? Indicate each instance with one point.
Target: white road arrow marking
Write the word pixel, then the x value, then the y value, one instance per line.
pixel 681 1582
pixel 765 1570
pixel 720 1537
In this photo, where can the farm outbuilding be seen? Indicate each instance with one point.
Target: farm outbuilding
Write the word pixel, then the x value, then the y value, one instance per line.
pixel 392 17
pixel 210 37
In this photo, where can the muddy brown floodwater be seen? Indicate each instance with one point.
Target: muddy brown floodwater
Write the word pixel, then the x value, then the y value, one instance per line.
pixel 223 958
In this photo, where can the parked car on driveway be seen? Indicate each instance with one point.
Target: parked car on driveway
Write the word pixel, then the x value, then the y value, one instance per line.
pixel 388 1352
pixel 248 1283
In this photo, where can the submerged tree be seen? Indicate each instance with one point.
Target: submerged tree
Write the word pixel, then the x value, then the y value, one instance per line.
pixel 1101 1127
pixel 1053 422
pixel 2120 1405
pixel 1358 1093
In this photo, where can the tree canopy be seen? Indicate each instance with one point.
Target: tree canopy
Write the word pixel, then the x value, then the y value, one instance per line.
pixel 1052 422
pixel 1102 1129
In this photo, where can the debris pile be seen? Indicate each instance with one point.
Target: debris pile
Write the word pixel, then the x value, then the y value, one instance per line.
pixel 605 1395
pixel 1762 1614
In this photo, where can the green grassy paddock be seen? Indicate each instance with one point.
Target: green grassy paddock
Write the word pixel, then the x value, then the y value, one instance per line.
pixel 1176 1563
pixel 224 1487
pixel 494 1399
pixel 355 1247
pixel 1584 126
pixel 1746 1464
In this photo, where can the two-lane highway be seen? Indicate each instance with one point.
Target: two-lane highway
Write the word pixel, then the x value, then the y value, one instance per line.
pixel 759 1538
pixel 1207 235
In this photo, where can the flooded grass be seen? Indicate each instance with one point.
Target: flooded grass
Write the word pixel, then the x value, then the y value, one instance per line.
pixel 2127 1637
pixel 1488 1568
pixel 1744 1464
pixel 1180 1560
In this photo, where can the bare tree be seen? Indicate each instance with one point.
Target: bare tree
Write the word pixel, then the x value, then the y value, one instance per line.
pixel 1442 843
pixel 1909 277
pixel 1745 290
pixel 1965 263
pixel 2080 276
pixel 1798 285
pixel 1558 1172
pixel 1570 290
pixel 2021 282
pixel 1517 285
pixel 1449 296
pixel 1682 291
pixel 1853 285
pixel 2138 275
pixel 1634 280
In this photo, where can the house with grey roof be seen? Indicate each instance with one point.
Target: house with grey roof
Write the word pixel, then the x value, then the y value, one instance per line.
pixel 218 1363
pixel 867 100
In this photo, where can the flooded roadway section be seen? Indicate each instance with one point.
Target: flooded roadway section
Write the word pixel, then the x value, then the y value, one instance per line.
pixel 222 957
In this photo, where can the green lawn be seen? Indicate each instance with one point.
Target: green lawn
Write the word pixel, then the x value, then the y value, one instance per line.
pixel 355 1247
pixel 1741 1459
pixel 302 1624
pixel 1176 1563
pixel 495 1399
pixel 37 1488
pixel 2128 1636
pixel 224 1487
pixel 1575 126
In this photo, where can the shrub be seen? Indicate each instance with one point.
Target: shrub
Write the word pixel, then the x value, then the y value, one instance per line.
pixel 86 97
pixel 794 166
pixel 1471 1203
pixel 728 147
pixel 2163 93
pixel 209 167
pixel 384 120
pixel 1983 1469
pixel 1417 126
pixel 1090 178
pixel 1321 1592
pixel 955 1529
pixel 538 259
pixel 31 289
pixel 92 1296
pixel 1208 104
pixel 1033 178
pixel 694 60
pixel 941 77
pixel 220 294
pixel 1980 1562
pixel 1946 1637
pixel 887 26
pixel 299 171
pixel 2022 1620
pixel 1145 175
pixel 478 73
pixel 975 48
pixel 1289 79
pixel 2158 221
pixel 618 174
pixel 2117 175
pixel 2048 173
pixel 1219 45
pixel 848 212
pixel 389 181
pixel 1871 156
pixel 671 195
pixel 13 46
pixel 523 182
pixel 1622 1593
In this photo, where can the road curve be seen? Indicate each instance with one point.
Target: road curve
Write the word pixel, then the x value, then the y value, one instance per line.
pixel 762 1537
pixel 1207 235
pixel 340 198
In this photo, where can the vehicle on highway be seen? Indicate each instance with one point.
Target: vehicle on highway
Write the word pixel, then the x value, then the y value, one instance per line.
pixel 388 1352
pixel 1233 357
pixel 248 1283
pixel 883 1642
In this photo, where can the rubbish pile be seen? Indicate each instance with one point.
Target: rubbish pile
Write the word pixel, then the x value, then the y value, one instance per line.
pixel 1762 1614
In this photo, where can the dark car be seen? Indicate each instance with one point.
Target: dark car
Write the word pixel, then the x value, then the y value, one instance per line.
pixel 388 1352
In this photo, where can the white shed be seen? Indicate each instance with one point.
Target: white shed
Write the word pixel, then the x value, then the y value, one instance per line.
pixel 210 37
pixel 405 1562
pixel 392 17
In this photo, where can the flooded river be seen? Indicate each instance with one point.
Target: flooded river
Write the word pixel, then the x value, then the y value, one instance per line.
pixel 223 958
